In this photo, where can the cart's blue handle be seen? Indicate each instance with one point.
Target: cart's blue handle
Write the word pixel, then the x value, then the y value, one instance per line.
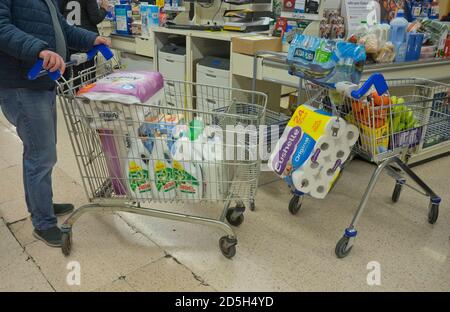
pixel 103 49
pixel 37 70
pixel 377 80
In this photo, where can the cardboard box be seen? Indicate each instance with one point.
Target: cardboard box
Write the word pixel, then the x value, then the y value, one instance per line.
pixel 251 44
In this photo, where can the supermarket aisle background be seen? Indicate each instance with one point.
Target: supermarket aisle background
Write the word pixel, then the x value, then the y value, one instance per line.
pixel 276 251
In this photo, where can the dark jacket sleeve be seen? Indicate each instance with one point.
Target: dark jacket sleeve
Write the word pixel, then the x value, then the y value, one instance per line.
pixel 77 38
pixel 15 42
pixel 95 14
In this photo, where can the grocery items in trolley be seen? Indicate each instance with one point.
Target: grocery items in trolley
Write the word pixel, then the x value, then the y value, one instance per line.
pixel 395 119
pixel 135 142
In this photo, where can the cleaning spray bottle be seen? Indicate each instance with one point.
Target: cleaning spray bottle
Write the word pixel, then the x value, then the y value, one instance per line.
pixel 137 170
pixel 215 179
pixel 187 172
pixel 161 172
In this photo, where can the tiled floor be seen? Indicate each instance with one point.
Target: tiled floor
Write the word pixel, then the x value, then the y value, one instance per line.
pixel 276 251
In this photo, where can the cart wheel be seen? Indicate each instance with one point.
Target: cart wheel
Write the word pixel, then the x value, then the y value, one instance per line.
pixel 295 204
pixel 228 246
pixel 66 238
pixel 341 250
pixel 252 205
pixel 235 221
pixel 396 192
pixel 433 213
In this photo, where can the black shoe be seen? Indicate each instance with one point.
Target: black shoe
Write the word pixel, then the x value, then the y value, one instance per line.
pixel 62 209
pixel 51 236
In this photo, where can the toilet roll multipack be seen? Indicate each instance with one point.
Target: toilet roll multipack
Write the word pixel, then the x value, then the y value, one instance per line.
pixel 312 149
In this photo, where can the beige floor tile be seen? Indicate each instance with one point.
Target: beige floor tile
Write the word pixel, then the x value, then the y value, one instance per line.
pixel 94 271
pixel 17 271
pixel 119 285
pixel 163 275
pixel 10 146
pixel 12 182
pixel 105 247
pixel 197 247
pixel 23 231
pixel 66 189
pixel 14 210
pixel 3 164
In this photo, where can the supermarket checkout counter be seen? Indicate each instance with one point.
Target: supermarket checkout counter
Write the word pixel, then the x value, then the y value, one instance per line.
pixel 266 66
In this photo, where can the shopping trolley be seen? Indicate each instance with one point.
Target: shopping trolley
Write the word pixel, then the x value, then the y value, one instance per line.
pixel 391 132
pixel 119 173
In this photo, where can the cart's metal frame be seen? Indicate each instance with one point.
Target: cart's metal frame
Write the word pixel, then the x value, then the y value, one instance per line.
pixel 100 199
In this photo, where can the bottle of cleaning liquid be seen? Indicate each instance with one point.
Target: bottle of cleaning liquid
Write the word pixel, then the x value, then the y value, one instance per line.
pixel 161 172
pixel 215 179
pixel 362 29
pixel 398 28
pixel 398 36
pixel 137 170
pixel 187 172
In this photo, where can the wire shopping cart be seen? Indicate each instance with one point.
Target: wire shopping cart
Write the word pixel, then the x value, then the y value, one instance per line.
pixel 396 119
pixel 124 152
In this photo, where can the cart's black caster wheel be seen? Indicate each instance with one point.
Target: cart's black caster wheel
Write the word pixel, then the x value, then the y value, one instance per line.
pixel 341 250
pixel 433 214
pixel 228 246
pixel 66 238
pixel 234 220
pixel 396 192
pixel 295 204
pixel 252 205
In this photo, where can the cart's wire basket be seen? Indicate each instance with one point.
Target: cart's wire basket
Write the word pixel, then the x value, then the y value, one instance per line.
pixel 412 116
pixel 189 142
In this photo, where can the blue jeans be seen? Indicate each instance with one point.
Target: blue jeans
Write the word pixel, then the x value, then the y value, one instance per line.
pixel 33 113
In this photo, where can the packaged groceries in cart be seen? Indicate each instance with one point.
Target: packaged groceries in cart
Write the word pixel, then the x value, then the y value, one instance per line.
pixel 137 142
pixel 390 122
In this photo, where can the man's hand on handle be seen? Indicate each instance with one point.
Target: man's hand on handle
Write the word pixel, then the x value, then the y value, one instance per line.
pixel 52 61
pixel 103 40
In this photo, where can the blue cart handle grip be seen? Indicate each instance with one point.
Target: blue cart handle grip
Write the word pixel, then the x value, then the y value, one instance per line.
pixel 103 49
pixel 377 80
pixel 37 70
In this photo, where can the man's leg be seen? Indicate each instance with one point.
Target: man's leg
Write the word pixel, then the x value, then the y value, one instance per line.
pixel 33 112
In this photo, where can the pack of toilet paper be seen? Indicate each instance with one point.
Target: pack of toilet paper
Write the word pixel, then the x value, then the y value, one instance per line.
pixel 312 149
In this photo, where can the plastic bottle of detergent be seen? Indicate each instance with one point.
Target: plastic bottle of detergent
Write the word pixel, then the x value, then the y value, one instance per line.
pixel 161 172
pixel 139 183
pixel 398 36
pixel 187 172
pixel 215 178
pixel 362 29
